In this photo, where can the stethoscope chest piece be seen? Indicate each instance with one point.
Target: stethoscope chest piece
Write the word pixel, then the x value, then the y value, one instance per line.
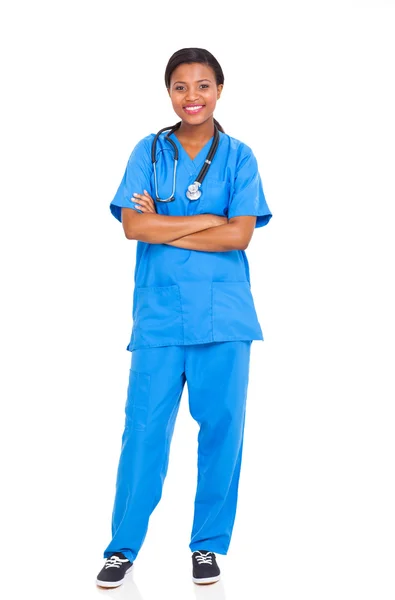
pixel 193 192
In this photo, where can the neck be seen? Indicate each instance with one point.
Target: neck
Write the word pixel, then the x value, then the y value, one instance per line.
pixel 197 133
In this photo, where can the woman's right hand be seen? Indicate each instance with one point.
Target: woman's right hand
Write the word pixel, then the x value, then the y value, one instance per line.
pixel 144 202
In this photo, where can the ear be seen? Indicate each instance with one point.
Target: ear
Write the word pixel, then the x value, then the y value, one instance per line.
pixel 168 91
pixel 220 87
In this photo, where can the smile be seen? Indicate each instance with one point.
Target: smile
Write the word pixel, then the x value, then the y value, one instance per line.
pixel 193 109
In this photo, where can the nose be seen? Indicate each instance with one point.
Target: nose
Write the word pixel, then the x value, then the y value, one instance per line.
pixel 191 96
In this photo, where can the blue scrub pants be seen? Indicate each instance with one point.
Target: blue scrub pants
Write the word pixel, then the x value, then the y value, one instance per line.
pixel 217 378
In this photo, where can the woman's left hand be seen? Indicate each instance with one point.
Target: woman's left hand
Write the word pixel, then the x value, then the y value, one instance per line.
pixel 144 202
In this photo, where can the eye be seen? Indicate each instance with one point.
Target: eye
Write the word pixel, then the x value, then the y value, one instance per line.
pixel 178 87
pixel 204 85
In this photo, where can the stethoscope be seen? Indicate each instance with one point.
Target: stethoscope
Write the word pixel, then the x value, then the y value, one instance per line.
pixel 193 192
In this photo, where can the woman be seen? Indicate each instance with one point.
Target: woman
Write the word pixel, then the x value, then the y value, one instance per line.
pixel 194 317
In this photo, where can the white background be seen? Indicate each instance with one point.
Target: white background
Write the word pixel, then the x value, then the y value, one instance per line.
pixel 309 86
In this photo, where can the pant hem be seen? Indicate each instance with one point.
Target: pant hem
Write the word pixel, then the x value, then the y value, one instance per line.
pixel 209 548
pixel 129 555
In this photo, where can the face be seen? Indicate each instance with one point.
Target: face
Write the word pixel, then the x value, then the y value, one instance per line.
pixel 193 85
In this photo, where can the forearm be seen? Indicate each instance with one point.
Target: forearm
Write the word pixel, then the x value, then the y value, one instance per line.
pixel 162 229
pixel 216 239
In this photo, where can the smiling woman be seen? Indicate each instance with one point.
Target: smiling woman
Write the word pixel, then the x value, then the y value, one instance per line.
pixel 193 90
pixel 194 316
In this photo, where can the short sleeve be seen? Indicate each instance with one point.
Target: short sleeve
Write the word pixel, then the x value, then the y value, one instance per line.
pixel 248 197
pixel 136 178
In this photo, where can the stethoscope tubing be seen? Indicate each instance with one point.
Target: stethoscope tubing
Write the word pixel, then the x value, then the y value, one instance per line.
pixel 203 170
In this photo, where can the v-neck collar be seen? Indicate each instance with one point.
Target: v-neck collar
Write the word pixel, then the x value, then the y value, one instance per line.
pixel 198 158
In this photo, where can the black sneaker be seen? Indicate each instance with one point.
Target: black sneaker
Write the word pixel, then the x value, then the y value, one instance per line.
pixel 205 568
pixel 114 570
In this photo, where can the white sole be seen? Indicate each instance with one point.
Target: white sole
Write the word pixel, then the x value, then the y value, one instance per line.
pixel 205 580
pixel 111 584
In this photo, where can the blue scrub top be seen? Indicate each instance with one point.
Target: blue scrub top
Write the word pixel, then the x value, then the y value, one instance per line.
pixel 182 296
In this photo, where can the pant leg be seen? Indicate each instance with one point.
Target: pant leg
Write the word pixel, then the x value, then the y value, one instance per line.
pixel 217 378
pixel 156 382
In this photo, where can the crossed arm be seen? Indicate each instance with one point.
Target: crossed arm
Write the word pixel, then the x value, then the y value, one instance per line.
pixel 204 232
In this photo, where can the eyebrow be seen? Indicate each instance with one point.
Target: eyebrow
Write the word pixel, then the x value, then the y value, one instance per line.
pixel 198 81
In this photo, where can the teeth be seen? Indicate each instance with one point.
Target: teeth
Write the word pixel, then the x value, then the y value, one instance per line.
pixel 192 108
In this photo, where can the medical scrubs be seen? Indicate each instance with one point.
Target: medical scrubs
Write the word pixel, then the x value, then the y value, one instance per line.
pixel 193 321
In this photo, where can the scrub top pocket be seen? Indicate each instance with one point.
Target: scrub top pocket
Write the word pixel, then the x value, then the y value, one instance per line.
pixel 157 314
pixel 234 314
pixel 215 197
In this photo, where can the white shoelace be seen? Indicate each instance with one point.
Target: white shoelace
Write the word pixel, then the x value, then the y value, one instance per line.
pixel 115 561
pixel 204 558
